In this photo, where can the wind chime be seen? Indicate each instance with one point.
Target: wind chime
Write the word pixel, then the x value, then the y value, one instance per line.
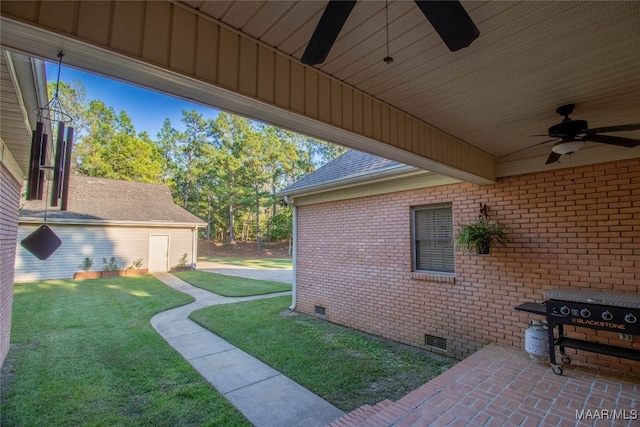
pixel 43 242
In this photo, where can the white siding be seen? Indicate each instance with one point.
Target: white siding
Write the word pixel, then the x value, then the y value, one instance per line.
pixel 126 243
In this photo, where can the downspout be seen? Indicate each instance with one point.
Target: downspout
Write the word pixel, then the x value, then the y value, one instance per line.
pixel 194 248
pixel 294 255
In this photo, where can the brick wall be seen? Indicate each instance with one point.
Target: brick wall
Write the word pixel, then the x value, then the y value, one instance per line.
pixel 9 204
pixel 576 227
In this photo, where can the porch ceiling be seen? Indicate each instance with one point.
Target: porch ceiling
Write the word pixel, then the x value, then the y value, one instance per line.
pixel 530 58
pixel 19 97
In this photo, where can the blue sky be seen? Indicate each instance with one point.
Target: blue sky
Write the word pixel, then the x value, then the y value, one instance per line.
pixel 147 109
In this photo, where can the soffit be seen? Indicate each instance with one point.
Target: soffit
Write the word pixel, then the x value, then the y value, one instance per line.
pixel 530 58
pixel 14 125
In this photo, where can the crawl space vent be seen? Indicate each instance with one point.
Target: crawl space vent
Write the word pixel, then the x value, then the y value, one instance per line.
pixel 437 342
pixel 320 311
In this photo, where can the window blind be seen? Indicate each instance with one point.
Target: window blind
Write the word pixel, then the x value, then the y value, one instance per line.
pixel 433 231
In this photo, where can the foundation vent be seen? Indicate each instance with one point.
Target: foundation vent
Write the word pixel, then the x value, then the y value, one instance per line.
pixel 437 342
pixel 320 311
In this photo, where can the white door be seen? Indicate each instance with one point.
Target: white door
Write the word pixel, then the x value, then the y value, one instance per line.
pixel 158 253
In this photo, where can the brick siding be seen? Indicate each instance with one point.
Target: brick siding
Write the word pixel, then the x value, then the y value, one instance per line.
pixel 9 205
pixel 577 227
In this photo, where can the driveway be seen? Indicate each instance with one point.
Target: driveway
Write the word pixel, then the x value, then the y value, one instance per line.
pixel 272 274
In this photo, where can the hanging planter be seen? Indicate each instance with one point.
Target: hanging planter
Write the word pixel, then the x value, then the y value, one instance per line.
pixel 480 236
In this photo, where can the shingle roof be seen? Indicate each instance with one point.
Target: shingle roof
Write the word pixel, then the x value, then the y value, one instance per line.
pixel 112 200
pixel 350 165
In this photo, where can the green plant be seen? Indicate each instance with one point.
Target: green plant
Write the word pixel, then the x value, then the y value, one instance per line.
pixel 260 263
pixel 346 367
pixel 481 236
pixel 230 286
pixel 135 265
pixel 86 264
pixel 85 354
pixel 110 265
pixel 182 261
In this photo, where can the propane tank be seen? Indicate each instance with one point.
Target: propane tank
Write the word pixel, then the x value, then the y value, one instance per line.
pixel 536 339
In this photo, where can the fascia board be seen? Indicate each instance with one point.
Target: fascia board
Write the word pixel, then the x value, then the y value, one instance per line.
pixel 370 188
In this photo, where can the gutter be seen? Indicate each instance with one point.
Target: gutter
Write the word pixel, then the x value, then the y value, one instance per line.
pixel 67 221
pixel 294 255
pixel 194 248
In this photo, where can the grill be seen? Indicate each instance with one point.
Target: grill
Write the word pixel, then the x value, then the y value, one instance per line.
pixel 607 311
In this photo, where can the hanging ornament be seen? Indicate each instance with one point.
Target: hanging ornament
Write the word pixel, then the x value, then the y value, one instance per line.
pixel 43 242
pixel 50 117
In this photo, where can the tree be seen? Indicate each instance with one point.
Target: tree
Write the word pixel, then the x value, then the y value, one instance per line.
pixel 86 152
pixel 110 149
pixel 189 156
pixel 72 98
pixel 230 134
pixel 166 145
pixel 224 169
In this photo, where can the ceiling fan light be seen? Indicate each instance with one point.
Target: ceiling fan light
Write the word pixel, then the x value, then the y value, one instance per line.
pixel 568 147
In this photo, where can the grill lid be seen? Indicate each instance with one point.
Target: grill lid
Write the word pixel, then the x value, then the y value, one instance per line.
pixel 594 297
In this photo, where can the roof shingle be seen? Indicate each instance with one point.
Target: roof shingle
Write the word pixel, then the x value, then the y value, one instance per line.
pixel 113 200
pixel 349 165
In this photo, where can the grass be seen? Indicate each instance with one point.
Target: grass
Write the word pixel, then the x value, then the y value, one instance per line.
pixel 84 353
pixel 230 286
pixel 345 367
pixel 263 263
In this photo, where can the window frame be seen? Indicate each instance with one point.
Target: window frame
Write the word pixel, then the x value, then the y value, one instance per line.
pixel 414 240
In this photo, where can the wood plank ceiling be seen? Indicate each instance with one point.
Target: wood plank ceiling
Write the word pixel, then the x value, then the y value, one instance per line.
pixel 530 58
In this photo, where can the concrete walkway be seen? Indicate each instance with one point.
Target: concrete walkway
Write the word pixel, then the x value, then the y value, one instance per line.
pixel 283 275
pixel 265 396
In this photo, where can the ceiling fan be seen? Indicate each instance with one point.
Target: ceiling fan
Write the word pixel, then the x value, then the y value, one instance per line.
pixel 448 18
pixel 571 135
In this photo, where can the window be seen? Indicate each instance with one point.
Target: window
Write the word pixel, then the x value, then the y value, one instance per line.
pixel 432 229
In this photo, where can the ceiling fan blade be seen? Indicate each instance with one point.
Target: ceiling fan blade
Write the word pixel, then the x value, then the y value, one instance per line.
pixel 553 157
pixel 327 30
pixel 612 140
pixel 619 128
pixel 451 21
pixel 528 147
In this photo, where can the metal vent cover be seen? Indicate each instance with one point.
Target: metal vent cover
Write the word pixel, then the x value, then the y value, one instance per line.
pixel 434 341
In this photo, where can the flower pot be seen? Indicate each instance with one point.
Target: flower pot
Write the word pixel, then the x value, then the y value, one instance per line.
pixel 86 275
pixel 111 273
pixel 484 248
pixel 136 272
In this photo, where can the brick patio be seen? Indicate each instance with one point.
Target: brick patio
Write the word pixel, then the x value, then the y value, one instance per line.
pixel 503 386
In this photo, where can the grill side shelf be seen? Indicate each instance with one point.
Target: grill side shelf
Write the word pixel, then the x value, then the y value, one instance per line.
pixel 610 350
pixel 533 307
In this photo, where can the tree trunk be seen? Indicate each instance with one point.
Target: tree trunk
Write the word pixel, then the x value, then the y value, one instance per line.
pixel 245 230
pixel 232 235
pixel 208 218
pixel 258 239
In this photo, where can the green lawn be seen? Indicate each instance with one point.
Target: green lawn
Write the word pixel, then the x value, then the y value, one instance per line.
pixel 84 353
pixel 264 263
pixel 345 367
pixel 230 286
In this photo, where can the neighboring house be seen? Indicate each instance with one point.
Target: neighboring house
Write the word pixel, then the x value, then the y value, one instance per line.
pixel 109 218
pixel 359 263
